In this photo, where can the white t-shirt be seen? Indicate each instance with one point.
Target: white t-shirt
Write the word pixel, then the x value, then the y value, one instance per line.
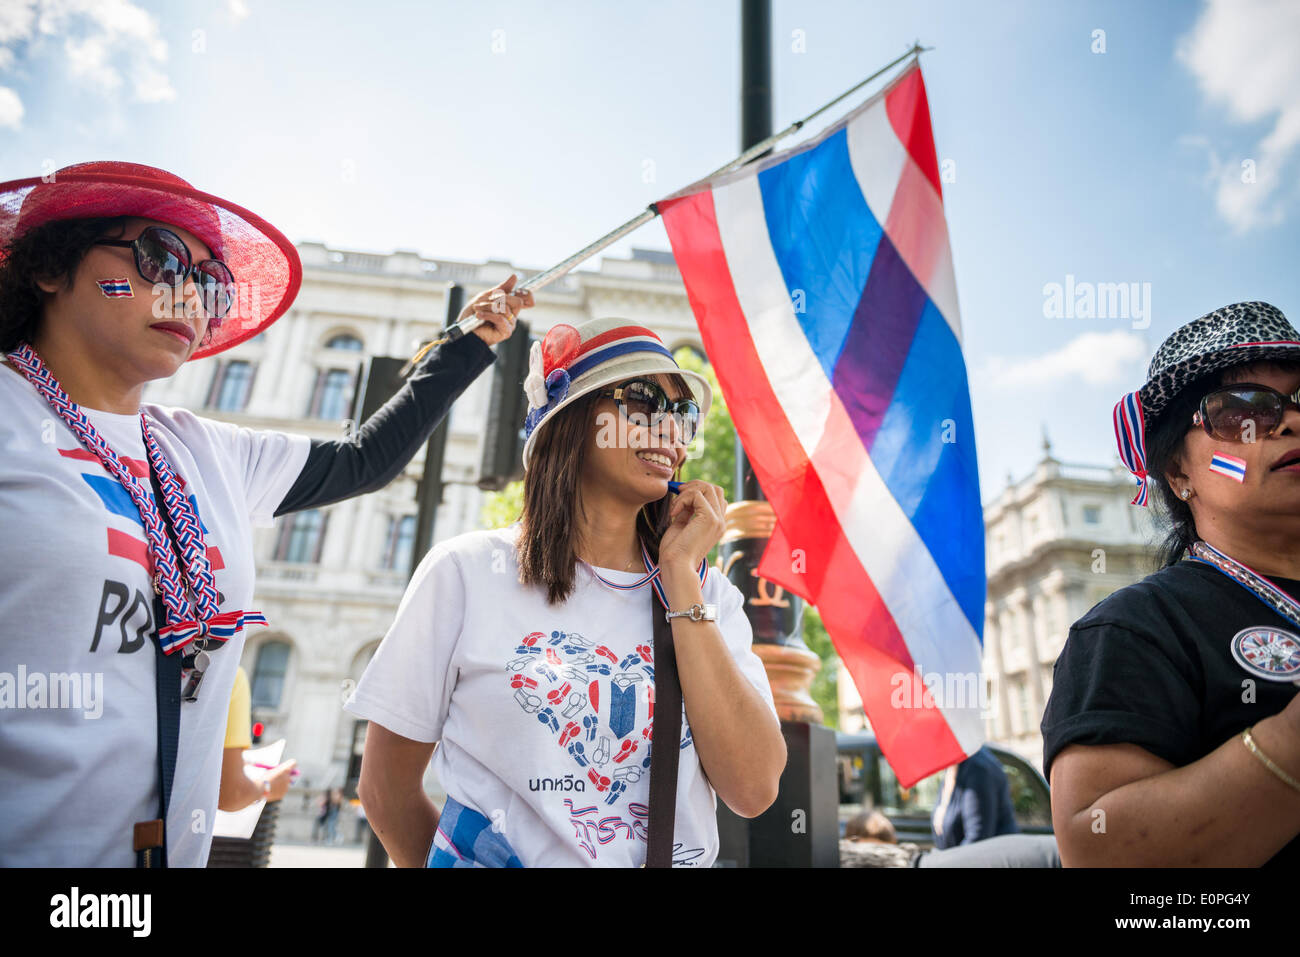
pixel 76 603
pixel 541 710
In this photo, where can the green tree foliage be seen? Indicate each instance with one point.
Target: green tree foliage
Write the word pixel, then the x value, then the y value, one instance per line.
pixel 504 507
pixel 825 690
pixel 711 458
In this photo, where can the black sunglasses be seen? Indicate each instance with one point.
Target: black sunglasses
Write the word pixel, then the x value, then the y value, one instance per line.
pixel 162 256
pixel 649 403
pixel 1229 413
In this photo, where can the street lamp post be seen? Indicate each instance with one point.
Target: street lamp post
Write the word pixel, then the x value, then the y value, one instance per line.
pixel 802 827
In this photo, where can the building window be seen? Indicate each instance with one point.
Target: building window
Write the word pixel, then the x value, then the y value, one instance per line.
pixel 231 384
pixel 332 396
pixel 350 343
pixel 301 536
pixel 1092 514
pixel 268 674
pixel 1022 701
pixel 399 542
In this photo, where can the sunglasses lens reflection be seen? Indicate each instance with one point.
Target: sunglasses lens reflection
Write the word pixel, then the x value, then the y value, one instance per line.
pixel 644 400
pixel 1234 414
pixel 163 257
pixel 217 285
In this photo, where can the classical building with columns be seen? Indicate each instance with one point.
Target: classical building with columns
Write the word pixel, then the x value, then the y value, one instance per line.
pixel 1056 543
pixel 329 580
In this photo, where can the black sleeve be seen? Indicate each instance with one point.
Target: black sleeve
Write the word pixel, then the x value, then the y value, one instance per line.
pixel 1113 685
pixel 380 449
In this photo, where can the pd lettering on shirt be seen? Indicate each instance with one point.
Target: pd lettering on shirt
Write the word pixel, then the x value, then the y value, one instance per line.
pixel 133 614
pixel 102 910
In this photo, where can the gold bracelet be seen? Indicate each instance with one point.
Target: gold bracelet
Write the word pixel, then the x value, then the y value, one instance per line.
pixel 1254 749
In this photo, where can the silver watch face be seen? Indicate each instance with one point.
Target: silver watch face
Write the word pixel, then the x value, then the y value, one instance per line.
pixel 704 612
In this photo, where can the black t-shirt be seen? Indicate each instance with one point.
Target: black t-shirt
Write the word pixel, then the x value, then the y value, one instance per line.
pixel 1152 665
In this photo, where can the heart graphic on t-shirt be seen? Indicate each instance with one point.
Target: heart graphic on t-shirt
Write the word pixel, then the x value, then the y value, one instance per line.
pixel 600 707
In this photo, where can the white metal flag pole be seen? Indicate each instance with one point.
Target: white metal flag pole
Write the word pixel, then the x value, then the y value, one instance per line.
pixel 758 149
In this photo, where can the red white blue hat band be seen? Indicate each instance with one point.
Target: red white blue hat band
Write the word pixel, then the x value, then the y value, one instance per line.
pixel 572 361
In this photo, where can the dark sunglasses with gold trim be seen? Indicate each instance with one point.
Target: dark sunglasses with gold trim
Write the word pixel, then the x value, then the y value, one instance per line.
pixel 1243 411
pixel 649 403
pixel 162 257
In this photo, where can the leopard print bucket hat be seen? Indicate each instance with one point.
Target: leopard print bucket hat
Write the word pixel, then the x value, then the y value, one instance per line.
pixel 1232 335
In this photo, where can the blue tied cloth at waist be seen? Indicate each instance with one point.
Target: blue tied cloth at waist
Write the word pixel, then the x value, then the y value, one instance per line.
pixel 465 838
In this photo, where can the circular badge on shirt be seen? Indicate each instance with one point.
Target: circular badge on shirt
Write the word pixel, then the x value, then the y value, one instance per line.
pixel 1270 653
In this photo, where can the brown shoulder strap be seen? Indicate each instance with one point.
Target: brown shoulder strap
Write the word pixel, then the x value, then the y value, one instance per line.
pixel 664 743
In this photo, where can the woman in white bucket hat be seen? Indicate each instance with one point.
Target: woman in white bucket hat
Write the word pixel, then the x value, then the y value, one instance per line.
pixel 526 654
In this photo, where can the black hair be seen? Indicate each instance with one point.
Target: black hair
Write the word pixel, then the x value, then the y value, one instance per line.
pixel 1165 439
pixel 51 252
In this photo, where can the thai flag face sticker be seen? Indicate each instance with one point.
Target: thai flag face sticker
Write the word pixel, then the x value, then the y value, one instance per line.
pixel 115 288
pixel 1229 465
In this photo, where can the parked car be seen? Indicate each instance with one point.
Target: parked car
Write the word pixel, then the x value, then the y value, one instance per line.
pixel 867 782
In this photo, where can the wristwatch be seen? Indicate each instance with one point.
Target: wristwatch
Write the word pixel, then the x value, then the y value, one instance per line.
pixel 696 612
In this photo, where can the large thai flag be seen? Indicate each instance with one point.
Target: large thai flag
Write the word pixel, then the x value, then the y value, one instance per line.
pixel 822 282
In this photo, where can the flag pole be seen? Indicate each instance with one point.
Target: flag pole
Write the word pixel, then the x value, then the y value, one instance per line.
pixel 650 212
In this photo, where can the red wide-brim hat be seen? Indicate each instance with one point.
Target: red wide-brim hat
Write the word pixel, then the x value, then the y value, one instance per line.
pixel 265 264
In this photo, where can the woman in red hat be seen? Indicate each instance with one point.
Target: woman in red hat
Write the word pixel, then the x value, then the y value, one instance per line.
pixel 128 545
pixel 533 656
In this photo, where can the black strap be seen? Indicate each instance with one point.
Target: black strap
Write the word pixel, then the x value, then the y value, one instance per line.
pixel 168 698
pixel 665 744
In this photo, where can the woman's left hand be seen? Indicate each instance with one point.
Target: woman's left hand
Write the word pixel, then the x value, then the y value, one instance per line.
pixel 498 307
pixel 697 520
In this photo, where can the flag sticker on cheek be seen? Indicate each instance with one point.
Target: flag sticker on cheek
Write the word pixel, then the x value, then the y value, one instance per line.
pixel 1229 465
pixel 116 288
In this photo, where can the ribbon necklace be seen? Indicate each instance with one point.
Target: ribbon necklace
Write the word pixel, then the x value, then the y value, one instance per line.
pixel 652 576
pixel 1247 578
pixel 208 626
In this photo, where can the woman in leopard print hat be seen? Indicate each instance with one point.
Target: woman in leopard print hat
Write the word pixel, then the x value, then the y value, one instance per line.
pixel 1172 735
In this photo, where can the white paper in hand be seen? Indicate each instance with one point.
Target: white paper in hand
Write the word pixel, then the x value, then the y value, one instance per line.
pixel 242 823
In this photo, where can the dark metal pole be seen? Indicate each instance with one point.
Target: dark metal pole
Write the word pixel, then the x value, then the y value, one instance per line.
pixel 429 495
pixel 775 616
pixel 755 126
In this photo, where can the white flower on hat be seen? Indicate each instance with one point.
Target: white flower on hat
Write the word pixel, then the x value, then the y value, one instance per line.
pixel 535 383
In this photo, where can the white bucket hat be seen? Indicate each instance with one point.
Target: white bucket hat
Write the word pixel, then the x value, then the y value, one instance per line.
pixel 574 360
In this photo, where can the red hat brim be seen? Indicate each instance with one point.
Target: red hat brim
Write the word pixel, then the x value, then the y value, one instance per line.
pixel 265 264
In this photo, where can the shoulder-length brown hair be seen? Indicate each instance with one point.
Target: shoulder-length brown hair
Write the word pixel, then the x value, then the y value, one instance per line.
pixel 547 545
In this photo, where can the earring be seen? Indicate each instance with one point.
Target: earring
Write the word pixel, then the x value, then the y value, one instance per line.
pixel 1186 494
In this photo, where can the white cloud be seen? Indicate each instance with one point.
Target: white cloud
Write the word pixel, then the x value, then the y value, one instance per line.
pixel 11 109
pixel 103 41
pixel 152 86
pixel 1242 54
pixel 87 59
pixel 16 20
pixel 1095 358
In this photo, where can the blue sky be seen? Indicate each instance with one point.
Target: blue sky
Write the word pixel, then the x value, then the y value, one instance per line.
pixel 521 131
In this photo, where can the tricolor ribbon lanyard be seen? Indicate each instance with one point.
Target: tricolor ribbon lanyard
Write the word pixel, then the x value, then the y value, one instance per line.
pixel 201 631
pixel 652 576
pixel 1255 583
